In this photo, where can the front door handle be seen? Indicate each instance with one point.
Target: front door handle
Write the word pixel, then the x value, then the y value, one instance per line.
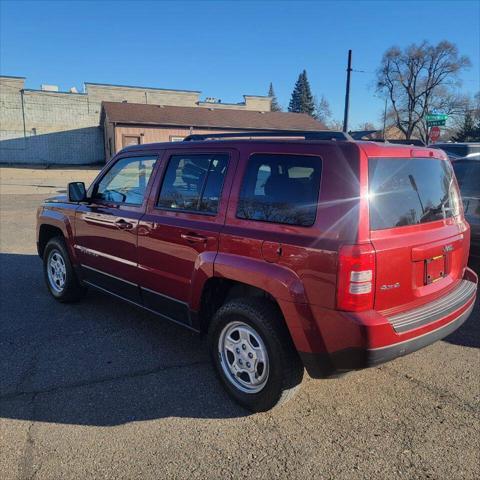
pixel 193 238
pixel 123 224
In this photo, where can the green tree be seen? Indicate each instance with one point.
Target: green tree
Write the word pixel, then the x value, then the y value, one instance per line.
pixel 275 105
pixel 302 98
pixel 469 132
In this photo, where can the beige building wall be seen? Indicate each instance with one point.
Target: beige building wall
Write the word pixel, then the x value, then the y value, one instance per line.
pixel 45 127
pixel 55 127
pixel 181 98
pixel 112 93
pixel 255 103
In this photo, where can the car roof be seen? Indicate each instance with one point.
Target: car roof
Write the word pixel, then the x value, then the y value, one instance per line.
pixel 370 148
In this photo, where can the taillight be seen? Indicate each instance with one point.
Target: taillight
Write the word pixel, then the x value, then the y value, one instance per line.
pixel 356 278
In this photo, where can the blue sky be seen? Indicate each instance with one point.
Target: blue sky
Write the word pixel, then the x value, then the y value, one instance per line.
pixel 227 49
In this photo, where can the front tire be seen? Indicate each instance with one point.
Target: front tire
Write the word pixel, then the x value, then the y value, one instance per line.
pixel 253 354
pixel 60 276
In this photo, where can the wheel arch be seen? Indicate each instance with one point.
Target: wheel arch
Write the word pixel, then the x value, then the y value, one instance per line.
pixel 280 282
pixel 217 291
pixel 54 224
pixel 249 278
pixel 45 234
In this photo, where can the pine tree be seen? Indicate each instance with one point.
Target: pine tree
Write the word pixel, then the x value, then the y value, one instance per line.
pixel 469 132
pixel 275 105
pixel 302 98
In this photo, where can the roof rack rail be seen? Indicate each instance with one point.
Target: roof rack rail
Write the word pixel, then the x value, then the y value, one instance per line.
pixel 307 135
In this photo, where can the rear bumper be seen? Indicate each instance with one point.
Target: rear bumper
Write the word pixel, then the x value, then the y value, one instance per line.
pixel 377 341
pixel 376 356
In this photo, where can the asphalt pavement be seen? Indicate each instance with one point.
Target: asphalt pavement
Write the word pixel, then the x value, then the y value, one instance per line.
pixel 100 389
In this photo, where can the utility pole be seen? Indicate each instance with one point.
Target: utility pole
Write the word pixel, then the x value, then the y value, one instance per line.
pixel 347 92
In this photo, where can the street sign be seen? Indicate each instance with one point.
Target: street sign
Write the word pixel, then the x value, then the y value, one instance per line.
pixel 434 134
pixel 436 123
pixel 436 116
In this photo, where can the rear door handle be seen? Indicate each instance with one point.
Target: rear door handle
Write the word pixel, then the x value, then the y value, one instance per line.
pixel 123 225
pixel 193 238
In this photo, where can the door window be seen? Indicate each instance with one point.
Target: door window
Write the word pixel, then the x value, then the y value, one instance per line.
pixel 126 181
pixel 193 183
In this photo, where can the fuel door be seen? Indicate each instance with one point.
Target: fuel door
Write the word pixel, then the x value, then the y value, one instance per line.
pixel 271 251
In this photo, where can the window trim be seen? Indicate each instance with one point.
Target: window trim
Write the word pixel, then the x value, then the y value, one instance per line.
pixel 94 187
pixel 182 210
pixel 319 157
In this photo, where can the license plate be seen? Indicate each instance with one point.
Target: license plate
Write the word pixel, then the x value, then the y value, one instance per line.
pixel 434 269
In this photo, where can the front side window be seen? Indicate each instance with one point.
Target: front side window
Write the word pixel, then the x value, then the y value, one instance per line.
pixel 281 188
pixel 126 181
pixel 408 191
pixel 193 182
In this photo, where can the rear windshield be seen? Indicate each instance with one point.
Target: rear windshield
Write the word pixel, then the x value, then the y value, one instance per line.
pixel 408 191
pixel 468 177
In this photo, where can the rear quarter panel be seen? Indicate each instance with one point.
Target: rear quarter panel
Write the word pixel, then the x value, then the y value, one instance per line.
pixel 305 270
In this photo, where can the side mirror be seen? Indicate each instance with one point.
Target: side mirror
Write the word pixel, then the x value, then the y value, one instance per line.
pixel 77 192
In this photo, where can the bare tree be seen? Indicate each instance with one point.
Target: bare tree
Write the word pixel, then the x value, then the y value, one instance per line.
pixel 453 104
pixel 474 107
pixel 366 126
pixel 335 125
pixel 322 109
pixel 418 78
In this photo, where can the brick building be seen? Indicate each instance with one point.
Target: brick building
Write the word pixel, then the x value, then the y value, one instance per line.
pixel 134 123
pixel 48 126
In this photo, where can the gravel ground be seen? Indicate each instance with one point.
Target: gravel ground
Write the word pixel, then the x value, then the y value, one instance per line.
pixel 100 389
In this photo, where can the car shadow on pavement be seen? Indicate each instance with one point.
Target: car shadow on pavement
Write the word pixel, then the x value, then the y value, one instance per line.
pixel 468 335
pixel 97 362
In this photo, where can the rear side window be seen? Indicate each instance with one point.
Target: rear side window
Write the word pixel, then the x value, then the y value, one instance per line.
pixel 281 188
pixel 193 183
pixel 409 191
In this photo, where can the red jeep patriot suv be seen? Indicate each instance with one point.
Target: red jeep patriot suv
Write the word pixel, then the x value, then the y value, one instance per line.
pixel 289 250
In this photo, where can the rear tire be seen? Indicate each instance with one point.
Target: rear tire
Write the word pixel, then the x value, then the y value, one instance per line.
pixel 60 276
pixel 251 331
